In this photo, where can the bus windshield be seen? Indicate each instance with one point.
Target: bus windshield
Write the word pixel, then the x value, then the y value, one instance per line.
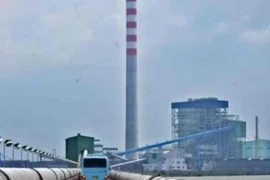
pixel 95 163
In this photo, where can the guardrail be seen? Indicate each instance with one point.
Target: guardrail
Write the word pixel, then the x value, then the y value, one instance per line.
pixel 39 174
pixel 117 175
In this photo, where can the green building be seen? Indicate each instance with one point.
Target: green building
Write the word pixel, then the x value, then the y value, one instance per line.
pixel 262 150
pixel 77 143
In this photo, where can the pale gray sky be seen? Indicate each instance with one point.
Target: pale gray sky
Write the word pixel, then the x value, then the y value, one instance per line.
pixel 62 65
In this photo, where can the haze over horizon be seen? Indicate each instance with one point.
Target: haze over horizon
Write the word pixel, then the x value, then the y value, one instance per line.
pixel 62 66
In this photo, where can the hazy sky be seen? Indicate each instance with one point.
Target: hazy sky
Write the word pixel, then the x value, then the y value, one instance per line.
pixel 62 66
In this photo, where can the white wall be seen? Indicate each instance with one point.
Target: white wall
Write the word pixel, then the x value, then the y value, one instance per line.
pixel 151 167
pixel 174 164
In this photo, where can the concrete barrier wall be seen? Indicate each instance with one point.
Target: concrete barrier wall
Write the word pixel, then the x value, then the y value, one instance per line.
pixel 39 174
pixel 116 175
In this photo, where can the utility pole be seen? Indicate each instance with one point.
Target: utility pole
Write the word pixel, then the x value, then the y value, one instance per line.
pixel 54 151
pixel 256 136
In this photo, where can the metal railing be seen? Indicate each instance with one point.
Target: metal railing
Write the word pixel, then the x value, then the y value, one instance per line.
pixel 39 174
pixel 118 175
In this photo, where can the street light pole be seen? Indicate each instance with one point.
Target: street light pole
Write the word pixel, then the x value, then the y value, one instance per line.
pixel 36 151
pixel 13 156
pixel 1 140
pixel 16 146
pixel 31 150
pixel 21 154
pixel 4 155
pixel 25 148
pixel 8 143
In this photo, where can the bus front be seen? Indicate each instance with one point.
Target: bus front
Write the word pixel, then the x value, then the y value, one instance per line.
pixel 95 167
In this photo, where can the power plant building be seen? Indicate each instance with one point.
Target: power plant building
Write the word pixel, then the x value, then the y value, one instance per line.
pixel 74 145
pixel 204 114
pixel 209 138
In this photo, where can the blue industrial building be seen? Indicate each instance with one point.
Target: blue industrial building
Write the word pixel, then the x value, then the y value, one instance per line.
pixel 201 103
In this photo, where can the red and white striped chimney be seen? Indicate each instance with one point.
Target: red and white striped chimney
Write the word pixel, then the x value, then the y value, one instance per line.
pixel 131 78
pixel 131 13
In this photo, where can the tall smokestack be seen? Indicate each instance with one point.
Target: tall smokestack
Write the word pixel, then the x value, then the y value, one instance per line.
pixel 131 78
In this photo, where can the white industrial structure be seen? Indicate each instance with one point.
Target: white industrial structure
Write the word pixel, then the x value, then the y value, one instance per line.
pixel 173 160
pixel 174 164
